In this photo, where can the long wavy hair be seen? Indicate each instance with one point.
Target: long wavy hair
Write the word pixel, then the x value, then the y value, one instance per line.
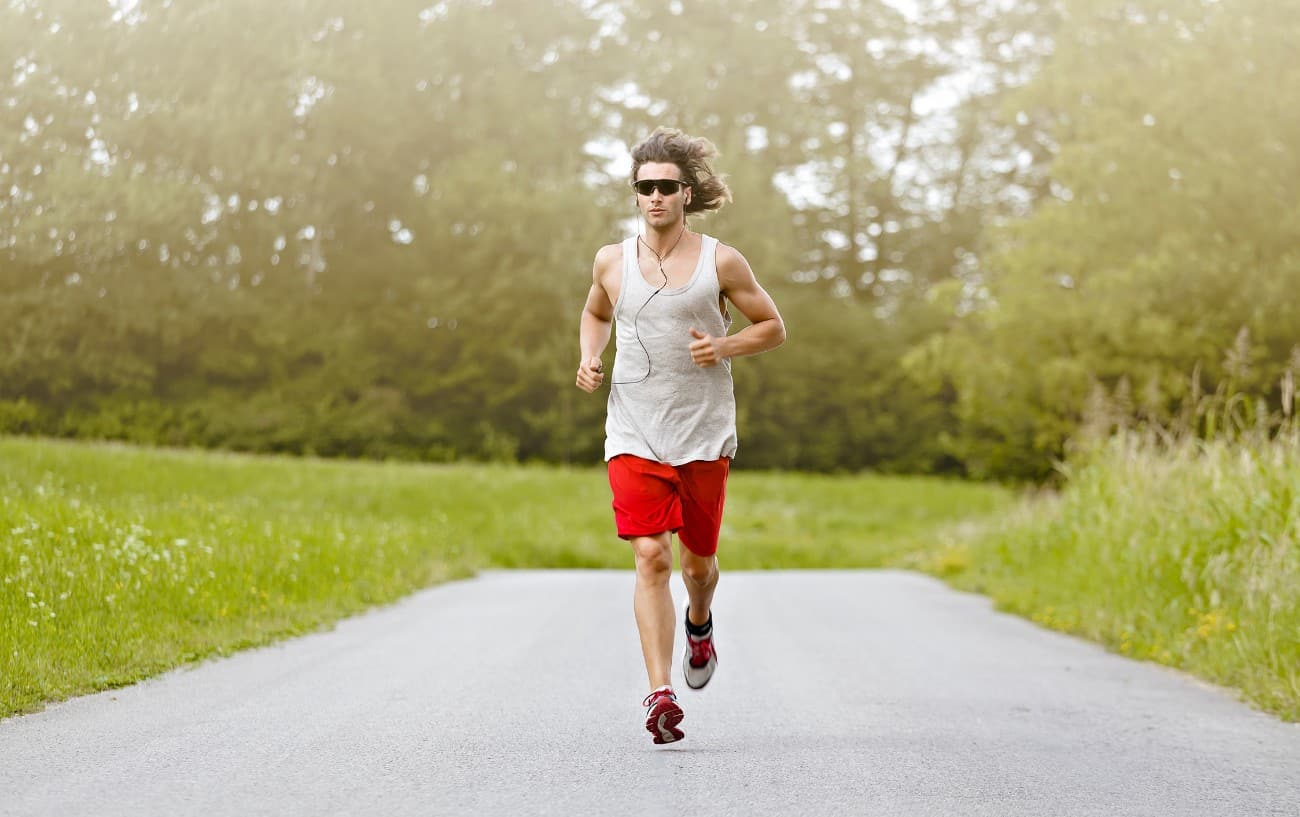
pixel 693 157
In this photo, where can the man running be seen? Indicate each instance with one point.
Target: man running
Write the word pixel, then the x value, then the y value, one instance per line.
pixel 670 431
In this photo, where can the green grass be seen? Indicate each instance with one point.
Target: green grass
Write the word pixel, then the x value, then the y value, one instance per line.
pixel 1187 554
pixel 119 562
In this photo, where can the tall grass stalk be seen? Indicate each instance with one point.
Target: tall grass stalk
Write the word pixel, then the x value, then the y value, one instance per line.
pixel 1165 548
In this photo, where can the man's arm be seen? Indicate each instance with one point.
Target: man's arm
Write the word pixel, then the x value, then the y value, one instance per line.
pixel 766 330
pixel 596 322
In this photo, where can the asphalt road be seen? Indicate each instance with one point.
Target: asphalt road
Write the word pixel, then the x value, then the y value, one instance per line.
pixel 844 693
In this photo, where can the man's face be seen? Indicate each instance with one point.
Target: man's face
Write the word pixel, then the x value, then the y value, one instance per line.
pixel 661 209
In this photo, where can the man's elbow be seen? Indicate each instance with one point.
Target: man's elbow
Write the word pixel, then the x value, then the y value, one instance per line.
pixel 778 332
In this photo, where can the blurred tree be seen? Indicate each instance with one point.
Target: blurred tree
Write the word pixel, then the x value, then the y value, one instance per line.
pixel 357 213
pixel 1173 229
pixel 366 230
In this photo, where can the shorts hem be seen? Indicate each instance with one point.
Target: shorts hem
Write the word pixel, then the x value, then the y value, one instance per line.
pixel 635 533
pixel 706 554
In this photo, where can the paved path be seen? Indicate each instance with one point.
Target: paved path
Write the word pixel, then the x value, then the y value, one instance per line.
pixel 846 693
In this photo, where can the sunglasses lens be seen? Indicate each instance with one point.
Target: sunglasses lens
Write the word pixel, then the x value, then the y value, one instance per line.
pixel 665 186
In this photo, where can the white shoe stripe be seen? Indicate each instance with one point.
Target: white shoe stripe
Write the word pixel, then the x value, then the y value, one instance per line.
pixel 664 732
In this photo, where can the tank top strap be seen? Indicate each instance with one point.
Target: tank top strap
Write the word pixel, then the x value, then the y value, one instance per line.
pixel 629 255
pixel 709 260
pixel 630 273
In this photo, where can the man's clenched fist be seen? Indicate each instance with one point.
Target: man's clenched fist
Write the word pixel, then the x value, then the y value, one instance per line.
pixel 590 374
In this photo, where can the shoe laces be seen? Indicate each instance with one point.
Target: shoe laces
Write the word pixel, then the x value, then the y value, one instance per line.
pixel 701 650
pixel 653 697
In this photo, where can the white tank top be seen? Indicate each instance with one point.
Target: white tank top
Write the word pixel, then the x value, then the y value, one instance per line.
pixel 661 405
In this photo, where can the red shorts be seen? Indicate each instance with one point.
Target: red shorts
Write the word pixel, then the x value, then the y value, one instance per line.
pixel 652 497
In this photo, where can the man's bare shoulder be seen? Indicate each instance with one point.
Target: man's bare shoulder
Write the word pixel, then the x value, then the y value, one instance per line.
pixel 608 259
pixel 729 255
pixel 731 264
pixel 610 253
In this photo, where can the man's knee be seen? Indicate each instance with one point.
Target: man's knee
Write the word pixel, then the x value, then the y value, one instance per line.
pixel 700 570
pixel 654 556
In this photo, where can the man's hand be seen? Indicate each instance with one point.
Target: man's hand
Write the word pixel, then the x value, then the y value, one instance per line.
pixel 706 350
pixel 590 374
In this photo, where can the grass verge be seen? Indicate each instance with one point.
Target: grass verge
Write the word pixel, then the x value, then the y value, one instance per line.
pixel 1187 554
pixel 118 562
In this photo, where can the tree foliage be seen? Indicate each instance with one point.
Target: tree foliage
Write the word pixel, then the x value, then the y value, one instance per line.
pixel 366 230
pixel 1169 245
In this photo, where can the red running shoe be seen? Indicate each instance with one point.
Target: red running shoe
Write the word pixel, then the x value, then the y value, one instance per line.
pixel 700 660
pixel 662 715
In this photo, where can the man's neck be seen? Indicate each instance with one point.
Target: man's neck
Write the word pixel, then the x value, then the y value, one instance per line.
pixel 662 239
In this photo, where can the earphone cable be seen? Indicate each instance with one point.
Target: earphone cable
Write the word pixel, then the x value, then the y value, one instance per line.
pixel 649 366
pixel 637 333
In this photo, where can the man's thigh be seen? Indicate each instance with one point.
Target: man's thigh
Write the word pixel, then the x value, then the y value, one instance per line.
pixel 646 497
pixel 703 492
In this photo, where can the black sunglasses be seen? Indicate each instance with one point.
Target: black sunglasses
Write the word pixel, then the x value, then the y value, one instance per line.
pixel 667 187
